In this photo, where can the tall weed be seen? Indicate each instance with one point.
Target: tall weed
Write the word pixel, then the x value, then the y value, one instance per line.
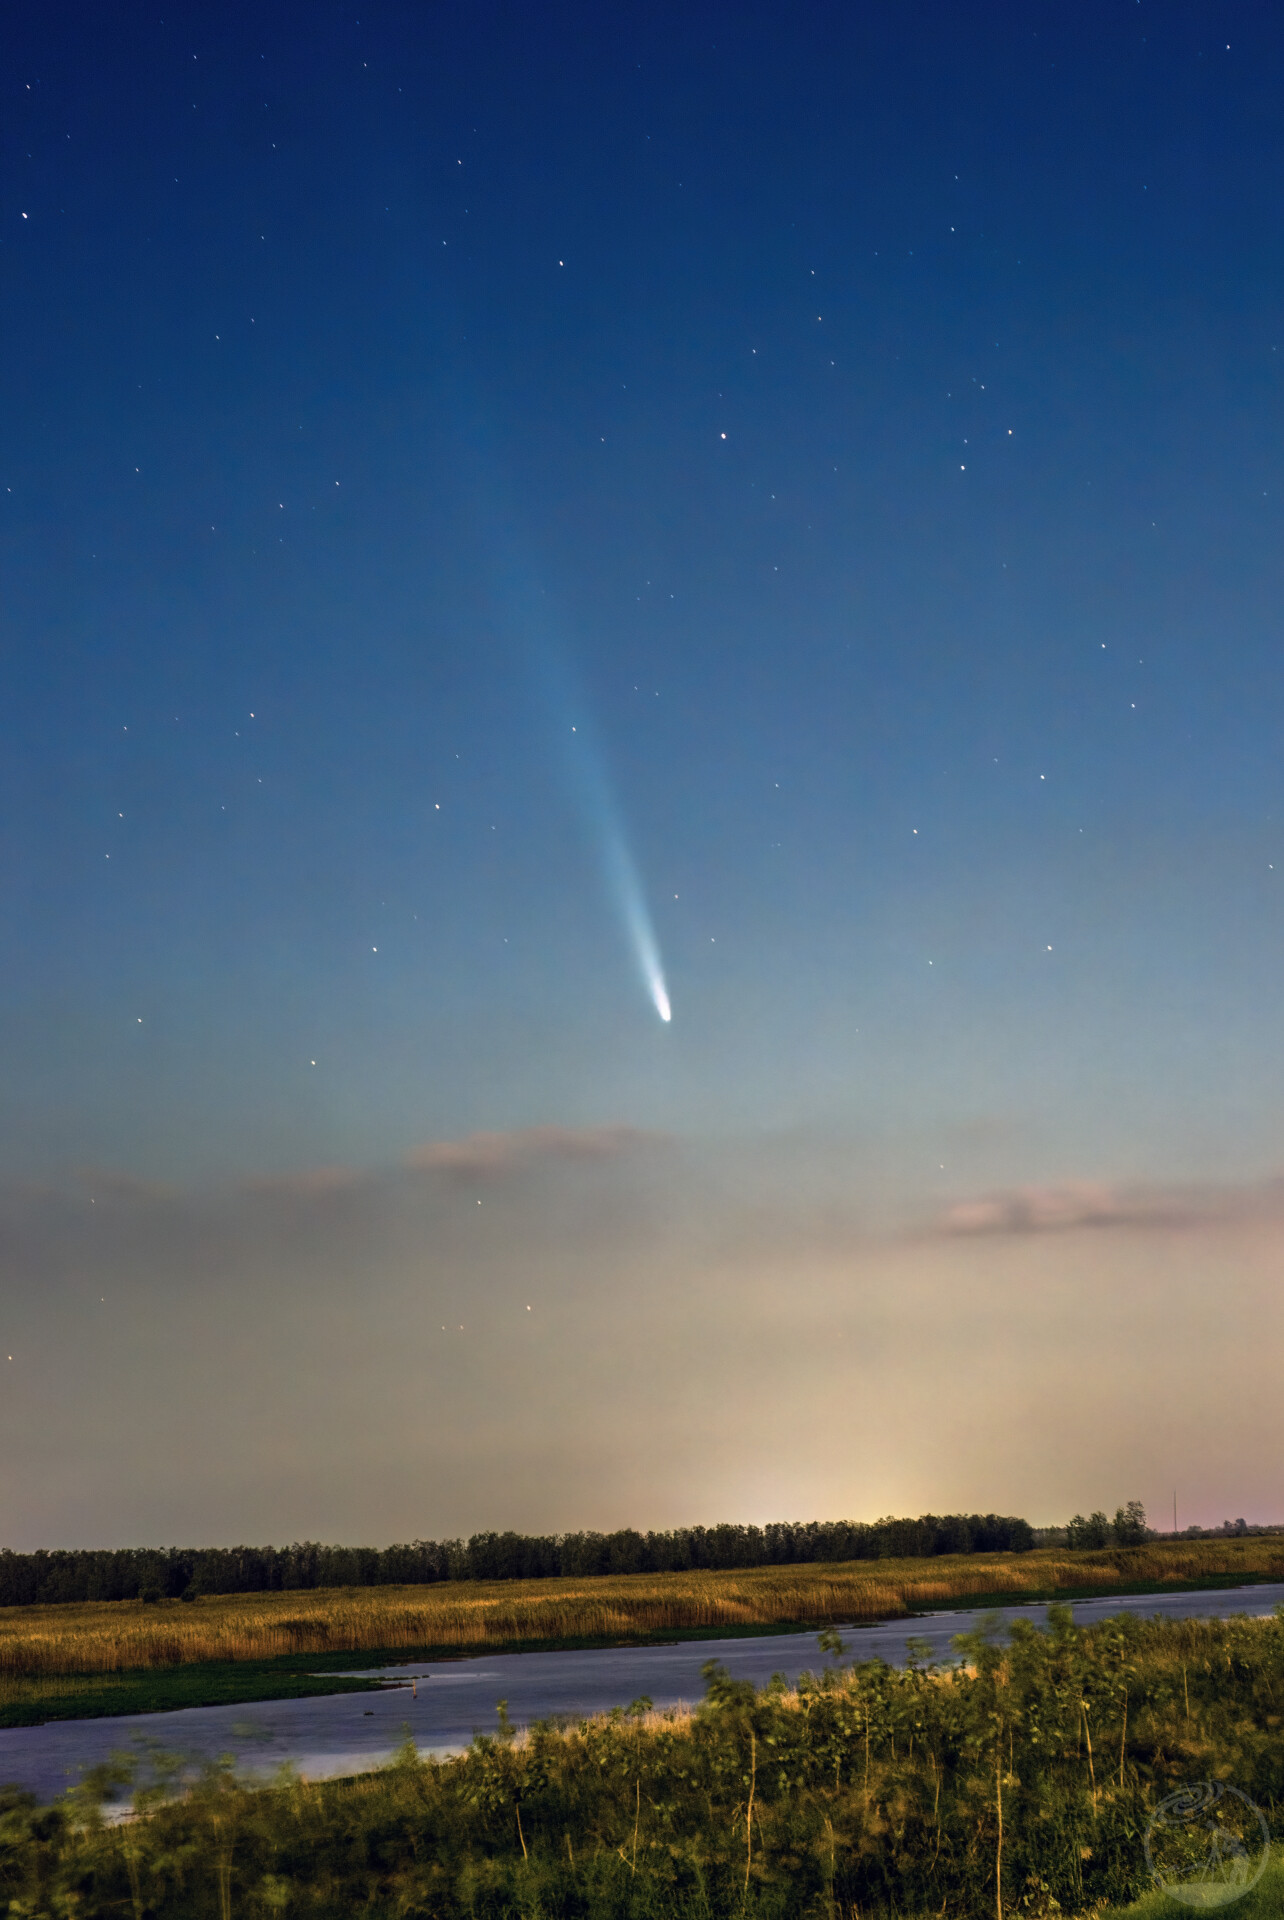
pixel 1016 1783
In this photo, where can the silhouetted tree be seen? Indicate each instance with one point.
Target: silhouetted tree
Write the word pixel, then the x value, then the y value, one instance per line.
pixel 1130 1525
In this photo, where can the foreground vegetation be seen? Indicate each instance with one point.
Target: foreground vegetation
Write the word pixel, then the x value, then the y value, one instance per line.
pixel 131 1657
pixel 1019 1783
pixel 1265 1901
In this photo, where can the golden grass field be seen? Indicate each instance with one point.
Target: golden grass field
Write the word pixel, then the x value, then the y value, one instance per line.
pixel 116 1636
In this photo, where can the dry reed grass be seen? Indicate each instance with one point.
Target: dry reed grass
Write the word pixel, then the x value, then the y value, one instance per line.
pixel 111 1637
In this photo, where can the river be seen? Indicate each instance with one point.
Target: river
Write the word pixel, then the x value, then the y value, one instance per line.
pixel 441 1704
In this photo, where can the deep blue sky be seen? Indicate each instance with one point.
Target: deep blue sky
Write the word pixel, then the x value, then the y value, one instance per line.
pixel 862 423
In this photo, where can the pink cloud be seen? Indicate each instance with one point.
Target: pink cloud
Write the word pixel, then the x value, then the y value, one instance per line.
pixel 1076 1204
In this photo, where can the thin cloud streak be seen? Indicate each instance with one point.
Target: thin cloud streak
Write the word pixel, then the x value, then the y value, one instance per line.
pixel 309 1182
pixel 480 1155
pixel 475 1156
pixel 1077 1204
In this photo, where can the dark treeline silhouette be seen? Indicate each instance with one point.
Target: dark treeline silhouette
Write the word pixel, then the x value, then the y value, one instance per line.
pixel 1127 1529
pixel 128 1573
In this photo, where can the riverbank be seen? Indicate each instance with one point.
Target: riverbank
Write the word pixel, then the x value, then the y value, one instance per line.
pixel 132 1657
pixel 442 1704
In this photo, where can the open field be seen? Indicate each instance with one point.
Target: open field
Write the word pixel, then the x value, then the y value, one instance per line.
pixel 1021 1784
pixel 119 1636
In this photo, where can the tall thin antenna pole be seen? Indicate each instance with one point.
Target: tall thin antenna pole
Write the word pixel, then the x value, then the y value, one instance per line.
pixel 1174 1509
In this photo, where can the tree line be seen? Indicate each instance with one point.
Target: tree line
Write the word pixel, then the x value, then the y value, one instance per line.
pixel 54 1577
pixel 1127 1529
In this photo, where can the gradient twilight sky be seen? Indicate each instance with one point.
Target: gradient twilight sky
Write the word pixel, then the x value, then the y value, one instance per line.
pixel 480 480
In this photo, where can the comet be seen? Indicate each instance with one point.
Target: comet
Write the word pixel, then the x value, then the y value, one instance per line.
pixel 624 882
pixel 626 885
pixel 539 629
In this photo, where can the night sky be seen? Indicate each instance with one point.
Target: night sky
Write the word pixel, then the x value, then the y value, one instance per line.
pixel 515 516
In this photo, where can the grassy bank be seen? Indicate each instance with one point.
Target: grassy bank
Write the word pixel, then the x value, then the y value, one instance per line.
pixel 31 1701
pixel 120 1636
pixel 1022 1784
pixel 1264 1902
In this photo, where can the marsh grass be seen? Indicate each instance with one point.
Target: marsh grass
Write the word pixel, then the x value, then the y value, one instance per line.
pixel 117 1636
pixel 1018 1784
